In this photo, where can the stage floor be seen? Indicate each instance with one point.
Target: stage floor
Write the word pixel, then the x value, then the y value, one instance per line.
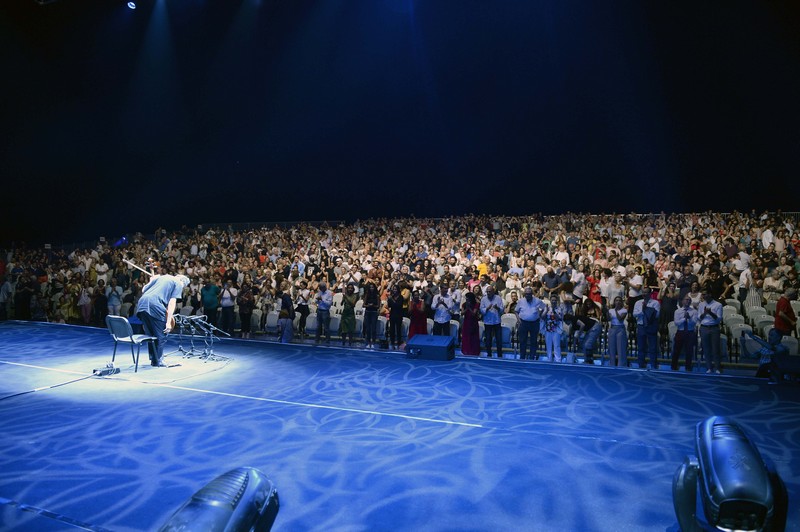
pixel 359 440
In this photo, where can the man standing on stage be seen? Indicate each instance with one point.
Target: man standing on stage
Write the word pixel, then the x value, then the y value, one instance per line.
pixel 156 308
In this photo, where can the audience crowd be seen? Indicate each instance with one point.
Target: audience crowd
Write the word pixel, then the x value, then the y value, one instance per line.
pixel 423 268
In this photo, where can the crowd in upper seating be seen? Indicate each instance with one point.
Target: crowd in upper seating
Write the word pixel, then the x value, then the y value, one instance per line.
pixel 574 256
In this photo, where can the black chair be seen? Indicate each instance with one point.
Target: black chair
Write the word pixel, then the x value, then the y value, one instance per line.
pixel 121 331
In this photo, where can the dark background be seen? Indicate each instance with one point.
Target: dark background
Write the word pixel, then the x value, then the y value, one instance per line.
pixel 196 111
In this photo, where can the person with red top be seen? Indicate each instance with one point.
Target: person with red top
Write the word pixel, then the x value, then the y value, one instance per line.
pixel 418 315
pixel 470 331
pixel 785 319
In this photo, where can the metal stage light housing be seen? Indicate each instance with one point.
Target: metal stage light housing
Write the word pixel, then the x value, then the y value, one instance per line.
pixel 738 489
pixel 240 500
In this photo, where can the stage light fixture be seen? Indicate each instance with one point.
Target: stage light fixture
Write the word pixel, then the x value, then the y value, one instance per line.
pixel 240 500
pixel 131 5
pixel 738 489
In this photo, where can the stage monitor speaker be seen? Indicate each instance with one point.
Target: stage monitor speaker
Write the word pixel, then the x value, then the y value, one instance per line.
pixel 430 347
pixel 241 500
pixel 728 485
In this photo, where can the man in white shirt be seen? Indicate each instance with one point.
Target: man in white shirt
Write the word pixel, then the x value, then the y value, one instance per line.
pixel 324 302
pixel 646 312
pixel 710 315
pixel 442 306
pixel 686 320
pixel 227 300
pixel 529 310
pixel 491 308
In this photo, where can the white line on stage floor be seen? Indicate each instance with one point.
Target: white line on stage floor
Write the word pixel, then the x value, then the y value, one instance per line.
pixel 266 400
pixel 325 407
pixel 71 372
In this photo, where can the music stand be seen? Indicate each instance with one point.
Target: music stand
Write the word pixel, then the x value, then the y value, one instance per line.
pixel 198 325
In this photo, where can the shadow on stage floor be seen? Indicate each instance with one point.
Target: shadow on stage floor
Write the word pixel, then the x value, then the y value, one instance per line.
pixel 358 440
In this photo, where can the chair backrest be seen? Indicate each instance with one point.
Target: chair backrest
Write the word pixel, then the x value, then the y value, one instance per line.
pixel 429 325
pixel 255 319
pixel 337 299
pixel 311 323
pixel 505 333
pixel 454 325
pixel 758 316
pixel 734 320
pixel 763 325
pixel 271 323
pixel 771 306
pixel 509 320
pixel 791 343
pixel 734 303
pixel 187 310
pixel 671 330
pixel 728 311
pixel 119 327
pixel 795 306
pixel 736 330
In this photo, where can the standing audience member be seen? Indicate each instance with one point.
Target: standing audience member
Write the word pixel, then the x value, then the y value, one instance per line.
pixel 347 326
pixel 554 329
pixel 470 330
pixel 686 320
pixel 285 327
pixel 324 303
pixel 85 302
pixel 114 297
pixel 247 302
pixel 5 297
pixel 418 315
pixel 442 307
pixel 372 303
pixel 227 302
pixel 23 293
pixel 100 304
pixel 646 311
pixel 617 337
pixel 491 308
pixel 590 327
pixel 785 318
pixel 710 316
pixel 529 311
pixel 303 297
pixel 209 295
pixel 395 305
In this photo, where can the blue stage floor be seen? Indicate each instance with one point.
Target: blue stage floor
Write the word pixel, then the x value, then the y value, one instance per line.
pixel 360 440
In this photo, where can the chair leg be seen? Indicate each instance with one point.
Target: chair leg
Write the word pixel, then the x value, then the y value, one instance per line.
pixel 136 359
pixel 115 351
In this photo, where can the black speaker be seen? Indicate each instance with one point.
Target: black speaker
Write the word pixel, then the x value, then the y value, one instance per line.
pixel 430 347
pixel 241 500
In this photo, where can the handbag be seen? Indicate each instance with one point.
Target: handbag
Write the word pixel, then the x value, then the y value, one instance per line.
pixel 84 299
